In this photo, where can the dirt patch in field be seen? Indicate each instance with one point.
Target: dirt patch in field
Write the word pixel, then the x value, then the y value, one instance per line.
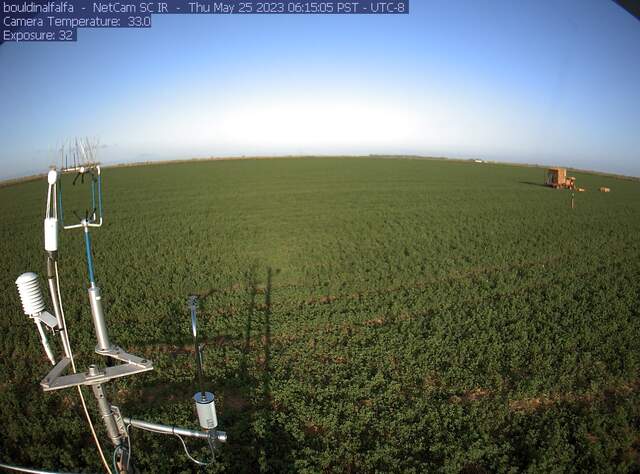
pixel 474 395
pixel 375 322
pixel 541 402
pixel 311 429
pixel 609 394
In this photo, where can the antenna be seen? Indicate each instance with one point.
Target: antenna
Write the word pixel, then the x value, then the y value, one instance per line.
pixel 205 401
pixel 193 302
pixel 84 163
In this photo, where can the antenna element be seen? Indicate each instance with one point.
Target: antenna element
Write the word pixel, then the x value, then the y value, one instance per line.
pixel 205 401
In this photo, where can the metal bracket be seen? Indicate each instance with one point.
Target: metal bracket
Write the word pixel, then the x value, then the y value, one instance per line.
pixel 117 353
pixel 46 318
pixel 133 365
pixel 119 420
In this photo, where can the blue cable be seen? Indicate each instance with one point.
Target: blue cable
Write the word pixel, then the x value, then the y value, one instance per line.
pixel 87 245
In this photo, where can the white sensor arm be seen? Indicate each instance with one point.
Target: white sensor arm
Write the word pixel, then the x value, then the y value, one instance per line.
pixel 45 343
pixel 48 319
pixel 51 214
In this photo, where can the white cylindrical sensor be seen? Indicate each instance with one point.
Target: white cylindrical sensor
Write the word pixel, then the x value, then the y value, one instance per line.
pixel 206 408
pixel 51 234
pixel 30 294
pixel 52 177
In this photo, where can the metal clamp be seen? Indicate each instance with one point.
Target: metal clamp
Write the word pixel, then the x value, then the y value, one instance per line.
pixel 53 381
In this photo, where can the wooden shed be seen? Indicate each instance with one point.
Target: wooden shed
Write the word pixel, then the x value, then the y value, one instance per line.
pixel 555 177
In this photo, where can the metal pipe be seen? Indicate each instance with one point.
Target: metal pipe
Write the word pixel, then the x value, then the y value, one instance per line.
pixel 173 430
pixel 95 300
pixel 107 414
pixel 51 281
pixel 55 300
pixel 145 425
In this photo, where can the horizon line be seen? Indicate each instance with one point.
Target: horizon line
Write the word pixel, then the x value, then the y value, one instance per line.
pixel 32 177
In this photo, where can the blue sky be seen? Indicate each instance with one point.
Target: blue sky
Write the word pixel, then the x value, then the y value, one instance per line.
pixel 549 82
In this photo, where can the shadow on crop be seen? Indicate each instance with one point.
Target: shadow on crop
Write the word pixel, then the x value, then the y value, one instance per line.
pixel 531 183
pixel 257 440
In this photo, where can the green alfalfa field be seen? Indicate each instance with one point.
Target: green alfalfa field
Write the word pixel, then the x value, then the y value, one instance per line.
pixel 360 315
